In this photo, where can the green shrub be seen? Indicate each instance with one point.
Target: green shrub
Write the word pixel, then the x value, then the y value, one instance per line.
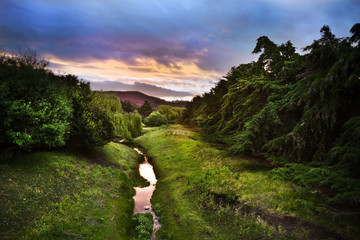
pixel 39 123
pixel 144 226
pixel 155 119
pixel 173 114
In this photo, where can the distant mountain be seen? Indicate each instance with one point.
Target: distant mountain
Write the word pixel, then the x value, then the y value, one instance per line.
pixel 138 98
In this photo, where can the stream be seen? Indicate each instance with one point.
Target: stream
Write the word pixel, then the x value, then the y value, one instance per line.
pixel 144 194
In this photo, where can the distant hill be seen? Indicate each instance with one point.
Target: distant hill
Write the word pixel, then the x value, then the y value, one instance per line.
pixel 138 98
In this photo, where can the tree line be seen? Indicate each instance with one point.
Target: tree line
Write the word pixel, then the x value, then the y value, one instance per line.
pixel 299 111
pixel 41 109
pixel 165 114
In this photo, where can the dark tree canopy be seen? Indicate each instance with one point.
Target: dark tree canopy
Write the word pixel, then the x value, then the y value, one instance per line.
pixel 299 111
pixel 128 106
pixel 355 30
pixel 145 109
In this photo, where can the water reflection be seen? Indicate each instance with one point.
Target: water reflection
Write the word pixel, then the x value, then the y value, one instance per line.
pixel 147 172
pixel 142 199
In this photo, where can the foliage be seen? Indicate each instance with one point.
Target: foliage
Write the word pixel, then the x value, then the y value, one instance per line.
pixel 145 109
pixel 144 226
pixel 133 123
pixel 125 125
pixel 173 114
pixel 128 106
pixel 44 110
pixel 348 188
pixel 291 108
pixel 90 125
pixel 33 123
pixel 36 111
pixel 155 119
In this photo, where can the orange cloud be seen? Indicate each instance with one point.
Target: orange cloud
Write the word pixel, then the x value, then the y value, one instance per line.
pixel 181 75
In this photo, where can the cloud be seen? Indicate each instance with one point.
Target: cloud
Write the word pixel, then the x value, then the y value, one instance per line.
pixel 148 89
pixel 180 76
pixel 189 41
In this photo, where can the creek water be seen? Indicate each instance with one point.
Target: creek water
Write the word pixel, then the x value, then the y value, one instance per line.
pixel 144 194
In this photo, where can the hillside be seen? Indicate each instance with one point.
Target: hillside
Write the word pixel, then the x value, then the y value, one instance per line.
pixel 65 194
pixel 139 98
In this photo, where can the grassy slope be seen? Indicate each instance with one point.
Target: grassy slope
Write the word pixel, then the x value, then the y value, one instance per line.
pixel 206 194
pixel 62 195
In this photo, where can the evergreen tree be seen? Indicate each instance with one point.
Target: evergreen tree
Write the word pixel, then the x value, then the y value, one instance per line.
pixel 300 111
pixel 145 109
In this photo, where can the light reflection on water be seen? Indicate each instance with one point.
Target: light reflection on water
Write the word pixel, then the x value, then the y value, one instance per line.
pixel 147 172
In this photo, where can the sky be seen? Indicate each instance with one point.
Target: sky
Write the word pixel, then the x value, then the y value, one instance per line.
pixel 173 49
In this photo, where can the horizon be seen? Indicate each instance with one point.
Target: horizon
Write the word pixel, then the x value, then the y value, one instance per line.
pixel 170 50
pixel 168 99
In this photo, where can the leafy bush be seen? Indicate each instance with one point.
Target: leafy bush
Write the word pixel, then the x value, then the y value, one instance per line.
pixel 155 119
pixel 144 226
pixel 38 123
pixel 173 114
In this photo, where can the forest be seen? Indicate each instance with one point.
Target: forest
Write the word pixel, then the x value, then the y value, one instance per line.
pixel 301 112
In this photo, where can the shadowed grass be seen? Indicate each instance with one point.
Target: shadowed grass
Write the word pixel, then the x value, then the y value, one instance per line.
pixel 63 195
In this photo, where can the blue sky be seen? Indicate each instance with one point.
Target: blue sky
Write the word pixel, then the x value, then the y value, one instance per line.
pixel 185 46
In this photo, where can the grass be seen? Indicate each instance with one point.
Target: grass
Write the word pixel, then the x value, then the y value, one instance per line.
pixel 206 193
pixel 66 195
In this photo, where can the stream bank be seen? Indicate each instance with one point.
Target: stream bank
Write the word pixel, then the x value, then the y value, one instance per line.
pixel 144 187
pixel 207 193
pixel 143 194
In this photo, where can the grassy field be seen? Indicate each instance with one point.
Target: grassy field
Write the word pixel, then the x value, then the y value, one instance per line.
pixel 66 195
pixel 205 193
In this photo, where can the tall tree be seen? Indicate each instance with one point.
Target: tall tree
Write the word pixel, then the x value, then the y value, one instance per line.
pixel 145 109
